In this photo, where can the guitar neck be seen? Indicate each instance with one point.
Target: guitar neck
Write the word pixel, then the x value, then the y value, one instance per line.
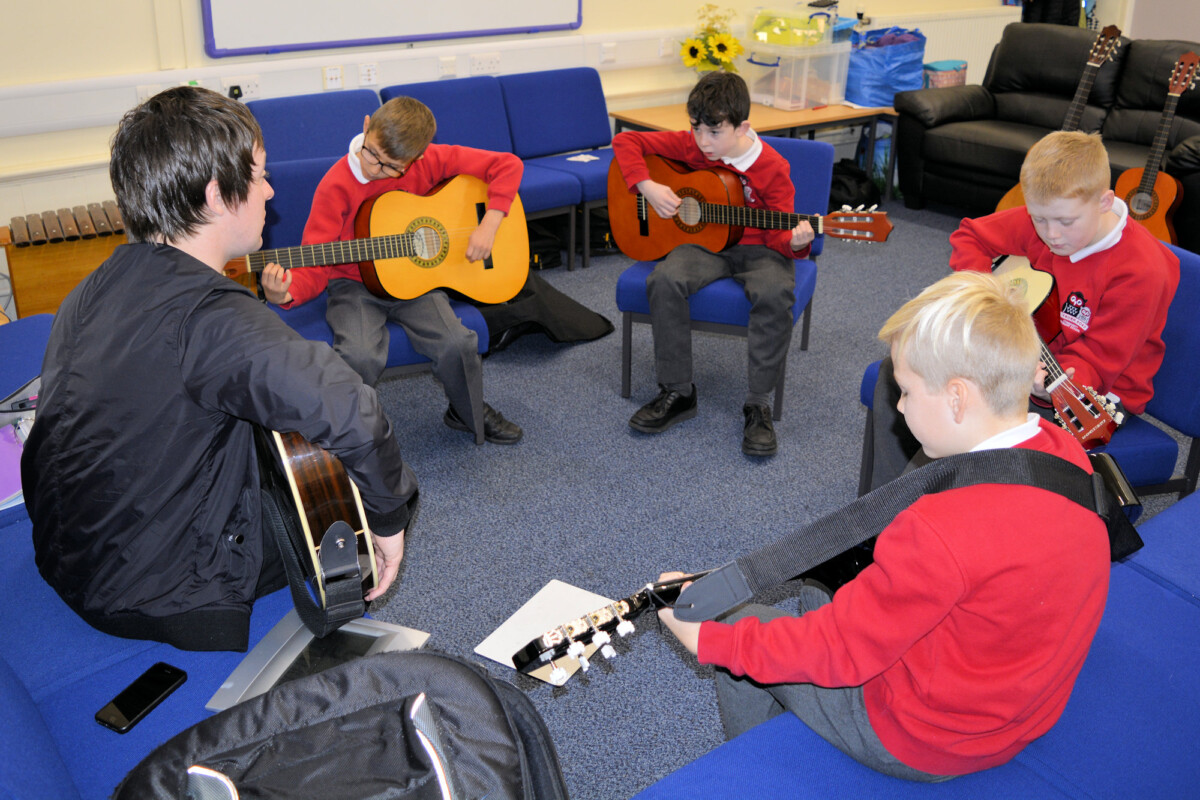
pixel 761 218
pixel 400 245
pixel 1161 134
pixel 1079 101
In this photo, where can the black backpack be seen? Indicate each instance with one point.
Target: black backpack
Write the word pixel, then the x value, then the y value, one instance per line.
pixel 413 724
pixel 851 186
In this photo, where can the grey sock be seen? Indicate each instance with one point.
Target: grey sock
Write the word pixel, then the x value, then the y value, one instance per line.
pixel 684 389
pixel 758 399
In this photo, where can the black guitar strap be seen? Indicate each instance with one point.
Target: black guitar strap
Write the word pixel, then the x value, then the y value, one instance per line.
pixel 737 582
pixel 339 566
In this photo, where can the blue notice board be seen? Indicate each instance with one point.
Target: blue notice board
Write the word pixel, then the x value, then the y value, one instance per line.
pixel 247 27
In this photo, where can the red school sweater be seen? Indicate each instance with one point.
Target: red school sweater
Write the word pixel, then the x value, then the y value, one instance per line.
pixel 966 634
pixel 767 183
pixel 1112 304
pixel 340 194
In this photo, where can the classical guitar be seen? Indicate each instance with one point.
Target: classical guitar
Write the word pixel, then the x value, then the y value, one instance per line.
pixel 713 213
pixel 1102 50
pixel 410 244
pixel 1152 195
pixel 311 487
pixel 1081 410
pixel 570 639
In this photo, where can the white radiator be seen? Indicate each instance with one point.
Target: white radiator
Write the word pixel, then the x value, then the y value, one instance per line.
pixel 968 35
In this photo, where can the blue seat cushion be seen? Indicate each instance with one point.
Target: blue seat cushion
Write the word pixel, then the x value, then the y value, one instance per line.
pixel 1146 453
pixel 543 189
pixel 295 183
pixel 23 343
pixel 722 302
pixel 866 389
pixel 308 319
pixel 312 125
pixel 593 175
pixel 31 766
pixel 1172 555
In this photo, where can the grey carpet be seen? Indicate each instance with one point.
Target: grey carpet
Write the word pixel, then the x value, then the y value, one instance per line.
pixel 588 501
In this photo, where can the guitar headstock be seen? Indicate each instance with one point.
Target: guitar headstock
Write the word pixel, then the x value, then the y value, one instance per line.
pixel 1183 75
pixel 859 225
pixel 1105 45
pixel 571 639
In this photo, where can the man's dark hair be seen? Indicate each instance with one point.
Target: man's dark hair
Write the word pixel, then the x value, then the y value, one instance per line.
pixel 719 96
pixel 165 152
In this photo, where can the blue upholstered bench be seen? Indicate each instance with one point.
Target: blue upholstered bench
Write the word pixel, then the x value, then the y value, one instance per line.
pixel 1128 730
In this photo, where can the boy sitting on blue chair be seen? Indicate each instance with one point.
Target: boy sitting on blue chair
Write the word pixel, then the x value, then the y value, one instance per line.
pixel 961 643
pixel 761 262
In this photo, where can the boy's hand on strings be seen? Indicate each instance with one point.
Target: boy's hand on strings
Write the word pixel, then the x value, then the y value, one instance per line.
pixel 275 282
pixel 802 234
pixel 661 198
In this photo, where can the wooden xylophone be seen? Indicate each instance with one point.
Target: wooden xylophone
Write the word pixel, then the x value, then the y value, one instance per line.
pixel 67 224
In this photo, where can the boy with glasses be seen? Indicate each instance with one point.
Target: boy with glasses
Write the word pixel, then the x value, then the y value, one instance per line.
pixel 394 152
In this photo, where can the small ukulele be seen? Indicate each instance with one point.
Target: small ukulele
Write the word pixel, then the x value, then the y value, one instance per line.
pixel 570 639
pixel 411 244
pixel 713 213
pixel 1102 50
pixel 1153 196
pixel 1082 411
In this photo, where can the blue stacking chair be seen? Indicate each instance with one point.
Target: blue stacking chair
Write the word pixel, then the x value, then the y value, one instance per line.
pixel 1147 453
pixel 556 115
pixel 312 125
pixel 722 307
pixel 470 112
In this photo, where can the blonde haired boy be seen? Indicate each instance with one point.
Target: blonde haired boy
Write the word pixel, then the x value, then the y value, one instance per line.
pixel 960 644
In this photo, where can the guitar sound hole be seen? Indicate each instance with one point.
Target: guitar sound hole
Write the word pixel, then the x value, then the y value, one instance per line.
pixel 689 211
pixel 426 243
pixel 1142 203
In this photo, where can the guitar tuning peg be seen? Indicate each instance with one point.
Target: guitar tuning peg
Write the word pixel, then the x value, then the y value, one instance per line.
pixel 860 208
pixel 608 651
pixel 558 676
pixel 1118 417
pixel 846 207
pixel 872 208
pixel 625 627
pixel 602 639
pixel 575 650
pixel 584 664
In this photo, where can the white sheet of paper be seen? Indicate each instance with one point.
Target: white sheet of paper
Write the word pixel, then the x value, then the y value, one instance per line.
pixel 584 157
pixel 554 604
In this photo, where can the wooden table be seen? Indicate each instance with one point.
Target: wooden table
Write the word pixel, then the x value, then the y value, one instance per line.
pixel 766 119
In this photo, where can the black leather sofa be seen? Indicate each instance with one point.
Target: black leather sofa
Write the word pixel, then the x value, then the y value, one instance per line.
pixel 963 145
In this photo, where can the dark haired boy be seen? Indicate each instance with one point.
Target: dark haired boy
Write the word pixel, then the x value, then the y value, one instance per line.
pixel 140 473
pixel 394 152
pixel 718 108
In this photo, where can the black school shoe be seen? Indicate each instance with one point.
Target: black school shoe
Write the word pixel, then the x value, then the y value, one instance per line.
pixel 758 437
pixel 668 408
pixel 496 429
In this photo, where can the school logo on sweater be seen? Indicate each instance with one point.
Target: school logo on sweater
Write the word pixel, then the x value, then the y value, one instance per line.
pixel 747 190
pixel 1075 313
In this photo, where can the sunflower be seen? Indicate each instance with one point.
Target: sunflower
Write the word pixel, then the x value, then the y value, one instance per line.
pixel 724 47
pixel 693 53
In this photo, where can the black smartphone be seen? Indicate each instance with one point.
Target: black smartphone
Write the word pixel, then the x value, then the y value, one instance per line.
pixel 138 698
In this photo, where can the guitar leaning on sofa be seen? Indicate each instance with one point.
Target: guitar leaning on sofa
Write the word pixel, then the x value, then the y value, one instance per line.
pixel 1152 195
pixel 410 244
pixel 713 213
pixel 1081 410
pixel 570 639
pixel 313 493
pixel 1102 50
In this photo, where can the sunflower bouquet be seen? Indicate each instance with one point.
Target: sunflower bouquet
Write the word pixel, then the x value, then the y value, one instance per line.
pixel 712 47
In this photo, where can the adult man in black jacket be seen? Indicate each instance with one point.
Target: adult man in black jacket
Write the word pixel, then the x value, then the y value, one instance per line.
pixel 140 473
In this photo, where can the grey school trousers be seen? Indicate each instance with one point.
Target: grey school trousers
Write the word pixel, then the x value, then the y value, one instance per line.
pixel 769 280
pixel 839 716
pixel 360 337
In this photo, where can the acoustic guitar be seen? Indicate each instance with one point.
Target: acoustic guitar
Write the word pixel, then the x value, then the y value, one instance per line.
pixel 713 213
pixel 1081 410
pixel 1153 195
pixel 1102 50
pixel 570 639
pixel 313 490
pixel 410 244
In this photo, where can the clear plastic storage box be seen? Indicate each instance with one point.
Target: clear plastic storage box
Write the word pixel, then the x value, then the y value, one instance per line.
pixel 793 78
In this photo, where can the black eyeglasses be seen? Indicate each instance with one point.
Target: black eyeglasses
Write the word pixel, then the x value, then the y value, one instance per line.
pixel 391 170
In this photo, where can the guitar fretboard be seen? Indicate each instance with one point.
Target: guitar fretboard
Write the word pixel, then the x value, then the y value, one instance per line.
pixel 400 245
pixel 1155 159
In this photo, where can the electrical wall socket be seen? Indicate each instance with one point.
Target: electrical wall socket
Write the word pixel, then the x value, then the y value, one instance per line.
pixel 485 63
pixel 447 66
pixel 667 47
pixel 608 52
pixel 368 74
pixel 248 87
pixel 331 78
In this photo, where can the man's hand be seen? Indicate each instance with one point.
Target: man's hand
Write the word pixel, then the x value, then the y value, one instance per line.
pixel 275 282
pixel 802 234
pixel 483 238
pixel 660 197
pixel 389 552
pixel 688 633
